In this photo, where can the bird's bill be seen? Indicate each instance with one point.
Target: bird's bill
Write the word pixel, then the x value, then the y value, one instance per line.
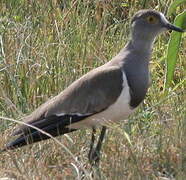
pixel 173 27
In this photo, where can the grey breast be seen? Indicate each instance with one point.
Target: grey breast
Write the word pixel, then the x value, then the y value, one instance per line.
pixel 135 66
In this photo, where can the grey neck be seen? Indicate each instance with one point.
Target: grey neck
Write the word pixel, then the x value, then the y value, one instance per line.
pixel 142 42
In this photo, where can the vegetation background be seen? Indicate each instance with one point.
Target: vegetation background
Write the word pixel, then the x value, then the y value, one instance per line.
pixel 45 46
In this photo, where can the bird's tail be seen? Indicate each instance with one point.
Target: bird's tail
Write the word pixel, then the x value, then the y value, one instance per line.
pixel 43 129
pixel 35 137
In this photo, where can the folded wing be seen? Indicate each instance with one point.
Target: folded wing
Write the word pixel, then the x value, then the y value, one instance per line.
pixel 91 94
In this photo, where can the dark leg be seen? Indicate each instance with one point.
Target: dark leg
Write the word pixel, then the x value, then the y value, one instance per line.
pixel 92 143
pixel 94 153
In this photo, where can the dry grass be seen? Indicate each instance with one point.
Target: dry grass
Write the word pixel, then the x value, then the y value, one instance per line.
pixel 47 45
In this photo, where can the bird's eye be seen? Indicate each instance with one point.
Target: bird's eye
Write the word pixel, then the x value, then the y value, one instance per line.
pixel 152 19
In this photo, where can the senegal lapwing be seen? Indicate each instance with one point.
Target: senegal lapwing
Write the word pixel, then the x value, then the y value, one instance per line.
pixel 110 92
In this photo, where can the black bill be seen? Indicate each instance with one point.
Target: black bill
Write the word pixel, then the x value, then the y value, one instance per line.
pixel 174 28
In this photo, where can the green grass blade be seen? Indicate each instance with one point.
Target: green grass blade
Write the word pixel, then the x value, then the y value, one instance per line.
pixel 173 49
pixel 174 5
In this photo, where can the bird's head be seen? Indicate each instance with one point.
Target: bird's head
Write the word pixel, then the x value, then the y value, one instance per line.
pixel 148 24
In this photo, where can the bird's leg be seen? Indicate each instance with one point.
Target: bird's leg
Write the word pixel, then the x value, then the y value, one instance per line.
pixel 92 143
pixel 94 153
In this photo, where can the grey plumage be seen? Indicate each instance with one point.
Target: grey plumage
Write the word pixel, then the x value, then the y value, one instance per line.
pixel 77 98
pixel 110 92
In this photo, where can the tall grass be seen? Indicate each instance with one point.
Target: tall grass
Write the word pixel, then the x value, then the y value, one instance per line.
pixel 174 44
pixel 46 45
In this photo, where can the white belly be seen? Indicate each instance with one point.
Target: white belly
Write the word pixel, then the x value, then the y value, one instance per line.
pixel 119 110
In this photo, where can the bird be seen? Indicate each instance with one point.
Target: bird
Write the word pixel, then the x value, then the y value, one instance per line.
pixel 109 93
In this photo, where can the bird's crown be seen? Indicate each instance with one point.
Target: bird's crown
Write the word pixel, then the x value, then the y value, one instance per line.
pixel 150 16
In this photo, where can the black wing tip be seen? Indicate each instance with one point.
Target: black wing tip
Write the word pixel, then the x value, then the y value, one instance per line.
pixel 14 145
pixel 54 127
pixel 33 138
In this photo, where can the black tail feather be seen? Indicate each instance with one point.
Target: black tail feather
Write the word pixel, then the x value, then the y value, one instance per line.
pixel 35 137
pixel 53 125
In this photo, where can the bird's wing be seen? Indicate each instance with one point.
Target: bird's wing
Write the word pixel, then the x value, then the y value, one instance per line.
pixel 92 93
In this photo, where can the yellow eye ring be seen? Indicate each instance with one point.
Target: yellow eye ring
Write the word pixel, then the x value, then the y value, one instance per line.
pixel 152 19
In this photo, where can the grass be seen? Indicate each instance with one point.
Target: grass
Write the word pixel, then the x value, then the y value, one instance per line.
pixel 47 45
